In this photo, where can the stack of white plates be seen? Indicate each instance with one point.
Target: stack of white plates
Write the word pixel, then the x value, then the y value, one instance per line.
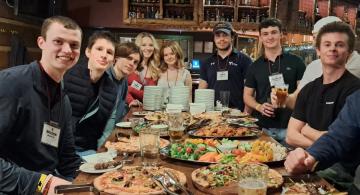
pixel 153 98
pixel 197 108
pixel 205 96
pixel 180 95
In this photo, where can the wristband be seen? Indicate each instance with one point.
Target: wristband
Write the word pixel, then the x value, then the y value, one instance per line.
pixel 46 187
pixel 41 182
pixel 314 166
pixel 257 107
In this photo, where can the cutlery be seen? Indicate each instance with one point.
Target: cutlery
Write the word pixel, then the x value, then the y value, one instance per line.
pixel 76 188
pixel 161 180
pixel 174 182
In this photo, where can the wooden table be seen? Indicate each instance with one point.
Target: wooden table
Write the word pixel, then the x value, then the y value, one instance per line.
pixel 185 167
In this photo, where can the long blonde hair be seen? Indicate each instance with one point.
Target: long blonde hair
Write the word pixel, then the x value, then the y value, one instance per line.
pixel 154 60
pixel 175 47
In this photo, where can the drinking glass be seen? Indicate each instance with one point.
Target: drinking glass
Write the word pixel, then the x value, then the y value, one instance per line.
pixel 224 98
pixel 252 178
pixel 281 93
pixel 176 127
pixel 149 146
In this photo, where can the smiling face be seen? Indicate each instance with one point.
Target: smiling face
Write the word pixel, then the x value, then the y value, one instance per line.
pixel 170 57
pixel 222 41
pixel 127 65
pixel 61 48
pixel 101 55
pixel 271 37
pixel 334 49
pixel 147 47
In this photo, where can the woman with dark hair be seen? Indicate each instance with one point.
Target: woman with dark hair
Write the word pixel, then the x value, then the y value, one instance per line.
pixel 92 90
pixel 147 72
pixel 127 59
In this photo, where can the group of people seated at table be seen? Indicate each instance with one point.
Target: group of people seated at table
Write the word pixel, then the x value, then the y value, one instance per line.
pixel 60 107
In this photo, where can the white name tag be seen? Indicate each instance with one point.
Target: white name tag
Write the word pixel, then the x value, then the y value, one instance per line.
pixel 50 135
pixel 222 75
pixel 136 85
pixel 276 80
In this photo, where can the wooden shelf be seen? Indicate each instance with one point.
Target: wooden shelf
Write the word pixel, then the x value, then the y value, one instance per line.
pixel 144 4
pixel 219 6
pixel 177 5
pixel 252 7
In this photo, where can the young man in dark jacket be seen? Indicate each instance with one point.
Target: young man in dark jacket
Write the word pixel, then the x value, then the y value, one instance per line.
pixel 35 127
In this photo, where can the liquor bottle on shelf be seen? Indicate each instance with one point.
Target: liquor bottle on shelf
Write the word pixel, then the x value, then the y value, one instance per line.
pixel 217 14
pixel 345 17
pixel 317 13
pixel 207 15
pixel 207 2
pixel 138 13
pixel 157 14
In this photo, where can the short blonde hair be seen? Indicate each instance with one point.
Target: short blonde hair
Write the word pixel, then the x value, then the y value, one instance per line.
pixel 175 47
pixel 154 60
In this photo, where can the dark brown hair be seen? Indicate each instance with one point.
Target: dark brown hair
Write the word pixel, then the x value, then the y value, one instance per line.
pixel 124 50
pixel 67 22
pixel 270 22
pixel 107 35
pixel 337 27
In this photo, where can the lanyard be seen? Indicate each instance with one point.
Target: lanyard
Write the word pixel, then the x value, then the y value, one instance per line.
pixel 167 77
pixel 274 63
pixel 143 78
pixel 226 63
pixel 44 79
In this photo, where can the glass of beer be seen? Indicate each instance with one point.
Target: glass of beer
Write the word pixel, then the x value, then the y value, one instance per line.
pixel 252 178
pixel 176 127
pixel 281 93
pixel 149 146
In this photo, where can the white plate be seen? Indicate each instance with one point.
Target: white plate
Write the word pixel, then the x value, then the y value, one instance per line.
pixel 142 113
pixel 89 168
pixel 124 124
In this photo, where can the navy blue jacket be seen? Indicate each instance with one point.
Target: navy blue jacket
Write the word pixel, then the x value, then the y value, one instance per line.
pixel 23 111
pixel 17 180
pixel 82 95
pixel 341 142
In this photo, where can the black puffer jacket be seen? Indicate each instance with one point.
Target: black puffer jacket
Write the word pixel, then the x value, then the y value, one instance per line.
pixel 82 95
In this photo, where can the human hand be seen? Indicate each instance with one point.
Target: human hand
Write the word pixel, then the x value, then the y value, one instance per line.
pixel 266 109
pixel 56 181
pixel 135 102
pixel 299 161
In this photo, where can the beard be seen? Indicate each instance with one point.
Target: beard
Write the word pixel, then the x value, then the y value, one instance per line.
pixel 225 49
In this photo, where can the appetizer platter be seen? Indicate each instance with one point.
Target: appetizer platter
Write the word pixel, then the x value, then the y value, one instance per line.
pixel 130 144
pixel 131 180
pixel 207 151
pixel 307 185
pixel 224 130
pixel 222 179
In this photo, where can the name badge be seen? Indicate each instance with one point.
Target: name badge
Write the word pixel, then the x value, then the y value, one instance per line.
pixel 136 85
pixel 50 134
pixel 276 80
pixel 222 75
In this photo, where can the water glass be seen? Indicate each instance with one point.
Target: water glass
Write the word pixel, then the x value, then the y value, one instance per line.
pixel 149 146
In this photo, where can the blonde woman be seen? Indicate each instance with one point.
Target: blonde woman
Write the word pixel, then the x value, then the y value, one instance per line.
pixel 172 67
pixel 147 73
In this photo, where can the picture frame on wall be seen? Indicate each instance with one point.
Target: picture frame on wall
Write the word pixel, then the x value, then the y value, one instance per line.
pixel 208 47
pixel 198 46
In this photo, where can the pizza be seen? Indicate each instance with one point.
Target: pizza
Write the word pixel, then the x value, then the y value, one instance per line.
pixel 296 188
pixel 156 116
pixel 131 144
pixel 218 175
pixel 131 180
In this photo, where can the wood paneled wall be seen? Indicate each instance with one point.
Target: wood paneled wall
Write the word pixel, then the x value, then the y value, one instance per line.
pixel 28 31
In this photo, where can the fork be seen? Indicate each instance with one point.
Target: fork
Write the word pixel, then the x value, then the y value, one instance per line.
pixel 161 180
pixel 174 182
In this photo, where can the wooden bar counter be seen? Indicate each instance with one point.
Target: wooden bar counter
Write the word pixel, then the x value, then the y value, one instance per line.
pixel 186 167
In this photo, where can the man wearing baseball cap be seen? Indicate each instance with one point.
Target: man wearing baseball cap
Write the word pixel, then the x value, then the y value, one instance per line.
pixel 225 70
pixel 314 69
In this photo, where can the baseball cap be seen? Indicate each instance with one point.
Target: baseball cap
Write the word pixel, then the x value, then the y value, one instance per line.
pixel 324 21
pixel 224 27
